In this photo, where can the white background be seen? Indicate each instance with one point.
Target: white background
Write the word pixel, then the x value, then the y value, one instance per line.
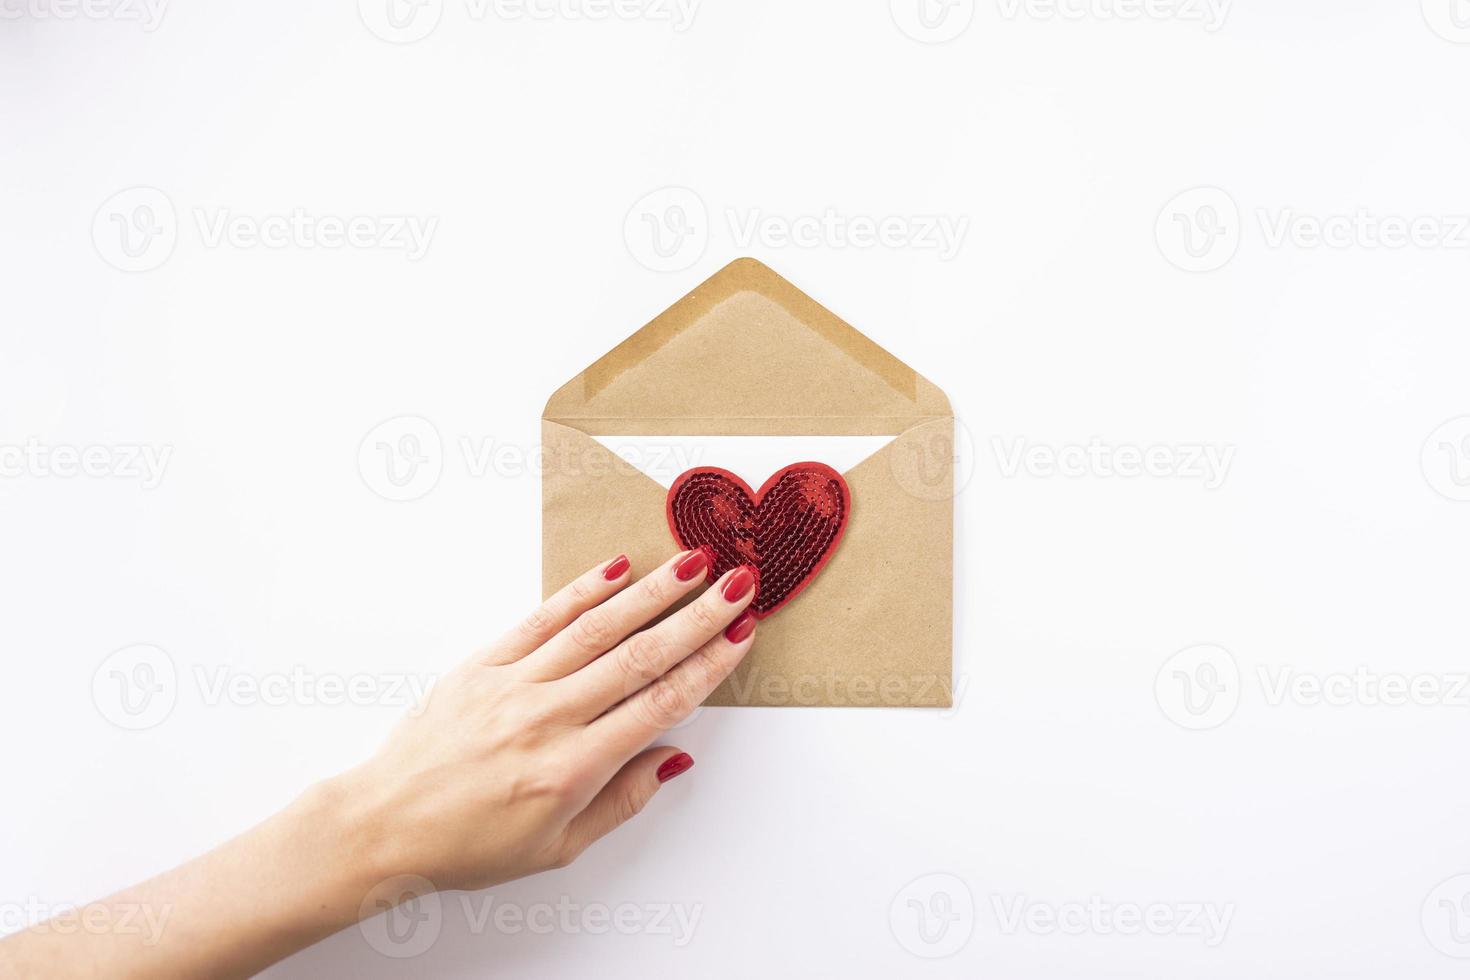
pixel 542 147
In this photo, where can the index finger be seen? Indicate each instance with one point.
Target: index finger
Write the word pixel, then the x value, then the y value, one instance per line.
pixel 553 615
pixel 644 657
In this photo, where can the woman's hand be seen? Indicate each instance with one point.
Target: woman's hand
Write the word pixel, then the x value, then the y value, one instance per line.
pixel 521 758
pixel 535 748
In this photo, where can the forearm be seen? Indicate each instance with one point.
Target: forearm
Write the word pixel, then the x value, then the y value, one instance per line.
pixel 524 755
pixel 298 877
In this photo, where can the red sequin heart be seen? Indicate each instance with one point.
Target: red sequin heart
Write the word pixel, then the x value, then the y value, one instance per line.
pixel 786 531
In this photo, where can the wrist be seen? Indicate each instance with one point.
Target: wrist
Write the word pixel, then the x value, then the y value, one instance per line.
pixel 344 830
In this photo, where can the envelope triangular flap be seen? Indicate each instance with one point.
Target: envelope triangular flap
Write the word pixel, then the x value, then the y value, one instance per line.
pixel 747 353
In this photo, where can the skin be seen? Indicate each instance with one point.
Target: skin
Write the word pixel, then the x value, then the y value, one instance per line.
pixel 523 756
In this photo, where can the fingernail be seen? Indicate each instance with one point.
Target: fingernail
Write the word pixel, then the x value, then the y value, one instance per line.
pixel 696 563
pixel 674 766
pixel 615 571
pixel 739 584
pixel 741 628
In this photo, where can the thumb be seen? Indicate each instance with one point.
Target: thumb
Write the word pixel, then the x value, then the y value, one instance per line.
pixel 627 793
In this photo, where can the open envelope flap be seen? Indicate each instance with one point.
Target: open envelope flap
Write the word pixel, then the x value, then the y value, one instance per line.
pixel 747 353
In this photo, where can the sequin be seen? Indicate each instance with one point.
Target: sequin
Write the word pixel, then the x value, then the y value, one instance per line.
pixel 787 530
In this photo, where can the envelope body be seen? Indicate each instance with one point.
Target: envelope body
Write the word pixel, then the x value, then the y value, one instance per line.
pixel 747 353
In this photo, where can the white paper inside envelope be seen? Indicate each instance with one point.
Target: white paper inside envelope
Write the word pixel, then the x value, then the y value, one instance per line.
pixel 752 458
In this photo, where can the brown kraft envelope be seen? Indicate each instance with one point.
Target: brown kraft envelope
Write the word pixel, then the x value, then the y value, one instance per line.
pixel 747 353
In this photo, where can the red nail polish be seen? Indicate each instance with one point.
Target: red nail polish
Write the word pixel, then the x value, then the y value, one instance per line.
pixel 739 584
pixel 741 628
pixel 615 571
pixel 692 566
pixel 674 765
